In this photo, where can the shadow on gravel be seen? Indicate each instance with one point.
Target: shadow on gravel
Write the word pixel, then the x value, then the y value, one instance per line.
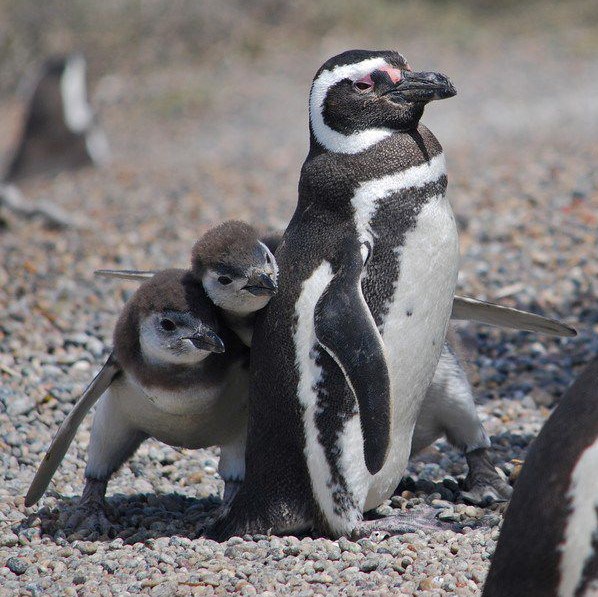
pixel 135 518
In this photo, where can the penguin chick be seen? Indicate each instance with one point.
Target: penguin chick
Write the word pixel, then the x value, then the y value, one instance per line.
pixel 449 410
pixel 238 272
pixel 548 543
pixel 168 378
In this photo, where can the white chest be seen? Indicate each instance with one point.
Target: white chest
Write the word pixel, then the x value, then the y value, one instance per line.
pixel 193 417
pixel 414 329
pixel 415 322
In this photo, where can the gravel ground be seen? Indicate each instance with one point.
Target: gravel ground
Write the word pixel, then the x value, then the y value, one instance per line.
pixel 188 151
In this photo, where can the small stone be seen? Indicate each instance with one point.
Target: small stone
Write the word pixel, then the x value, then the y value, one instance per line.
pixel 81 366
pixel 9 540
pixel 448 516
pixel 20 405
pixel 470 511
pixel 17 565
pixel 321 578
pixel 429 584
pixel 87 547
pixel 79 579
pixel 368 565
pixel 347 545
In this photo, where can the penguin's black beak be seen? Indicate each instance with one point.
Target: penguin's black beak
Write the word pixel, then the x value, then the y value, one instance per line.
pixel 207 340
pixel 261 285
pixel 421 87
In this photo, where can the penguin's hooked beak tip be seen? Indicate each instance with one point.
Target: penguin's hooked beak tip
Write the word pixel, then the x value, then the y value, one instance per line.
pixel 422 87
pixel 262 285
pixel 207 341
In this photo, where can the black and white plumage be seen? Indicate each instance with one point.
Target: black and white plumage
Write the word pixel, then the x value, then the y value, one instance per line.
pixel 548 546
pixel 368 268
pixel 449 408
pixel 168 377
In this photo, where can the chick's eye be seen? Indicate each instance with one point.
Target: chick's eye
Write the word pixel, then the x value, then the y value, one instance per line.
pixel 167 325
pixel 224 280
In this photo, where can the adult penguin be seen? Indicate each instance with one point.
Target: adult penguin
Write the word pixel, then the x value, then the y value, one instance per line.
pixel 343 355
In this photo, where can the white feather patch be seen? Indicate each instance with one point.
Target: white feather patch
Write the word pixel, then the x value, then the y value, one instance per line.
pixel 329 138
pixel 369 193
pixel 76 109
pixel 576 548
pixel 310 375
pixel 429 261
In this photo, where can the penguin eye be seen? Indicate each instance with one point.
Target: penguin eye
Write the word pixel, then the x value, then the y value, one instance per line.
pixel 364 84
pixel 167 325
pixel 224 280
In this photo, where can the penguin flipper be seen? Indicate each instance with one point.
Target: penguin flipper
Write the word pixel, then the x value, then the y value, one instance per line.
pixel 63 438
pixel 125 274
pixel 470 309
pixel 345 328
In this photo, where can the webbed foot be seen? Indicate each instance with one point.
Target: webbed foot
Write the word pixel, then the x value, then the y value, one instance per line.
pixel 89 516
pixel 483 484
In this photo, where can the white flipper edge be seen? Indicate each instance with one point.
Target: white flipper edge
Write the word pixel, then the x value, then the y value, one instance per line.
pixel 125 274
pixel 471 309
pixel 63 438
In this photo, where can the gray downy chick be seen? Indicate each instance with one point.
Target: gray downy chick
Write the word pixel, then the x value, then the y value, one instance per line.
pixel 168 377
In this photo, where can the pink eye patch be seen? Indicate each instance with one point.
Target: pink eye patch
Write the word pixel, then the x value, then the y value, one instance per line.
pixel 367 82
pixel 394 73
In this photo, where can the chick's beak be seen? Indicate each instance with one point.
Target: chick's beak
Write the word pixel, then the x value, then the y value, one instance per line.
pixel 261 285
pixel 207 340
pixel 421 87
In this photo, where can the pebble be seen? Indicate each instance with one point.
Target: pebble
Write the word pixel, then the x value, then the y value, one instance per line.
pixel 20 405
pixel 17 565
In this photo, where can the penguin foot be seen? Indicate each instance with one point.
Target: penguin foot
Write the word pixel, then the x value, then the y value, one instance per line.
pixel 483 484
pixel 211 520
pixel 89 517
pixel 406 522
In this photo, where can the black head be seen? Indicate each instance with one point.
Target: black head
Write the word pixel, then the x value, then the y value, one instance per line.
pixel 362 96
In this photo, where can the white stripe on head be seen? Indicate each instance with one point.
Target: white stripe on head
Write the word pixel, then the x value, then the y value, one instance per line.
pixel 329 138
pixel 76 109
pixel 582 522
